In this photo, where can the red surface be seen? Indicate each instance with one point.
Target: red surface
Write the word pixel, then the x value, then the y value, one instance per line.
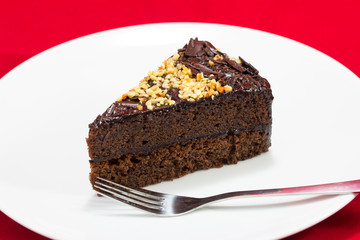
pixel 333 27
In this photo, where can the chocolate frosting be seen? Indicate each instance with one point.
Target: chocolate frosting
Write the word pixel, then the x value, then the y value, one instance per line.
pixel 196 55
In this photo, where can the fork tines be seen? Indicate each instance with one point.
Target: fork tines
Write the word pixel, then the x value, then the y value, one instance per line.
pixel 139 198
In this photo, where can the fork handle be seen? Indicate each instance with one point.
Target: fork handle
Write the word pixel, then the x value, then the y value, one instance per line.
pixel 321 189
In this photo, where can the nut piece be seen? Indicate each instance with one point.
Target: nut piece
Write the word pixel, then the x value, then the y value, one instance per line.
pixel 218 57
pixel 220 89
pixel 228 88
pixel 131 94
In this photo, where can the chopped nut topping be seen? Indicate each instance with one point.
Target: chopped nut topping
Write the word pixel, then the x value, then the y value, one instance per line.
pixel 152 90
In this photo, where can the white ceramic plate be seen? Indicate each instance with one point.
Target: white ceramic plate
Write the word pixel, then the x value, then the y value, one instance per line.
pixel 47 102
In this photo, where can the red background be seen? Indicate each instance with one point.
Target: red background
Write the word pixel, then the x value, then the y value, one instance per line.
pixel 333 27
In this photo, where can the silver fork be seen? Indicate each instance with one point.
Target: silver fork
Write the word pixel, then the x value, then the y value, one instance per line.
pixel 172 205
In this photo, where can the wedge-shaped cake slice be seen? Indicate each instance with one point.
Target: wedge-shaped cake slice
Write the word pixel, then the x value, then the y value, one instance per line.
pixel 200 109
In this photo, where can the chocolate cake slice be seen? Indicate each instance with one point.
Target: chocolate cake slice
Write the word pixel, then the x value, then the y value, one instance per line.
pixel 200 109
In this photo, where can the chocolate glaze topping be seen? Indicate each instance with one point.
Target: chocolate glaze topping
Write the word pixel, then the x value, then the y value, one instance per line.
pixel 196 55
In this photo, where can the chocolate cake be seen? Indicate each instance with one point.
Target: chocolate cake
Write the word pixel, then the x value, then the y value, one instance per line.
pixel 200 109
